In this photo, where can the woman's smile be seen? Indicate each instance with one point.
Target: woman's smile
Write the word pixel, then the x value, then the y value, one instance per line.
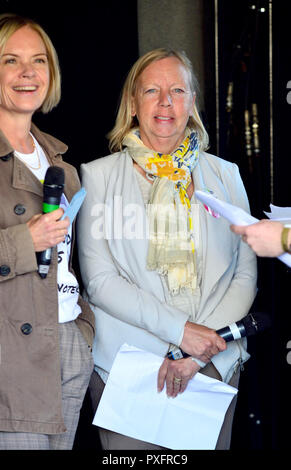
pixel 163 103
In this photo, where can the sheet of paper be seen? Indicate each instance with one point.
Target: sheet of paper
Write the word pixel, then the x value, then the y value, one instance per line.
pixel 131 405
pixel 282 214
pixel 75 204
pixel 236 215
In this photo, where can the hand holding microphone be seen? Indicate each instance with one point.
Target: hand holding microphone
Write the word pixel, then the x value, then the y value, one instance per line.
pixel 250 325
pixel 47 230
pixel 201 341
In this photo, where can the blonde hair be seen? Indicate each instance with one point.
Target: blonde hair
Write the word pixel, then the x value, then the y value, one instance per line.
pixel 9 24
pixel 125 121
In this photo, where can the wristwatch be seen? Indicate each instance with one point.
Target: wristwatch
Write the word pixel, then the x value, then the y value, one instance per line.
pixel 284 238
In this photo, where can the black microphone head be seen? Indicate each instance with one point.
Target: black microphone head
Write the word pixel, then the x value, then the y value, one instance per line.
pixel 54 182
pixel 54 176
pixel 256 322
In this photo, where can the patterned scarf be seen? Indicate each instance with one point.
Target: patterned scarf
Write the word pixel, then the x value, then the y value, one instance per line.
pixel 171 249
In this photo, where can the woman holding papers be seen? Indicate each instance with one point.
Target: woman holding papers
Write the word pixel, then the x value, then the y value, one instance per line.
pixel 160 270
pixel 45 361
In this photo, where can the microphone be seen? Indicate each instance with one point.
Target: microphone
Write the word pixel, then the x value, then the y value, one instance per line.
pixel 52 192
pixel 250 325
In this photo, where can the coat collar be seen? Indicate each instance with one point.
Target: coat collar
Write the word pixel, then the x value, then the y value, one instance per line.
pixel 52 146
pixel 22 177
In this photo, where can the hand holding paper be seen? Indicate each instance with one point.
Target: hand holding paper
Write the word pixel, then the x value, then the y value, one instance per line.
pixel 237 216
pixel 131 405
pixel 264 237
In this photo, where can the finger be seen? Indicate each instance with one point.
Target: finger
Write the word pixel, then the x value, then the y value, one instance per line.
pixel 67 220
pixel 56 216
pixel 169 385
pixel 33 220
pixel 176 386
pixel 59 228
pixel 55 236
pixel 183 386
pixel 62 235
pixel 173 381
pixel 162 375
pixel 35 217
pixel 53 217
pixel 58 213
pixel 238 229
pixel 212 352
pixel 221 343
pixel 205 358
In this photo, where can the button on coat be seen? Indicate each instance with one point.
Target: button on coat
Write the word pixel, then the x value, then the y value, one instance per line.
pixel 26 328
pixel 19 209
pixel 4 270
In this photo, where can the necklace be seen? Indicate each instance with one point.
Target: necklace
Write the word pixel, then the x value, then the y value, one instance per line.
pixel 37 154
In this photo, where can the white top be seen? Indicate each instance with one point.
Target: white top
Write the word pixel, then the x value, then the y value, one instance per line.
pixel 35 161
pixel 68 288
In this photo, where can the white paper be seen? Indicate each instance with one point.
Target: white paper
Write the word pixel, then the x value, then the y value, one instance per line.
pixel 131 405
pixel 236 215
pixel 283 214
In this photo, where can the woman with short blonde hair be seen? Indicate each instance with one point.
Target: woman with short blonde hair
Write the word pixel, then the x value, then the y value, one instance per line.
pixel 44 339
pixel 9 24
pixel 125 121
pixel 166 289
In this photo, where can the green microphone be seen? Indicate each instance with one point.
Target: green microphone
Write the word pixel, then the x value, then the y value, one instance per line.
pixel 53 187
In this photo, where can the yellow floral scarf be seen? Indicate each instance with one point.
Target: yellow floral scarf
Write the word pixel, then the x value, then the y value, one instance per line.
pixel 171 249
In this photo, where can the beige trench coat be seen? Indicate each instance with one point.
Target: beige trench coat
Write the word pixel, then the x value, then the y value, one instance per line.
pixel 30 384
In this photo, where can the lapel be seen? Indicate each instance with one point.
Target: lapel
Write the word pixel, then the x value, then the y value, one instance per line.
pixel 24 179
pixel 130 253
pixel 125 186
pixel 218 242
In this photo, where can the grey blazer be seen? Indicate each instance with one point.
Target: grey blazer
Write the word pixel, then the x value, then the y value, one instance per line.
pixel 128 300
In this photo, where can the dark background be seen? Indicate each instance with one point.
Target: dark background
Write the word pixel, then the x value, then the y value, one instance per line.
pixel 97 43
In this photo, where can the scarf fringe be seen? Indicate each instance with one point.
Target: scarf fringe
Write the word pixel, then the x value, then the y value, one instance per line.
pixel 182 288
